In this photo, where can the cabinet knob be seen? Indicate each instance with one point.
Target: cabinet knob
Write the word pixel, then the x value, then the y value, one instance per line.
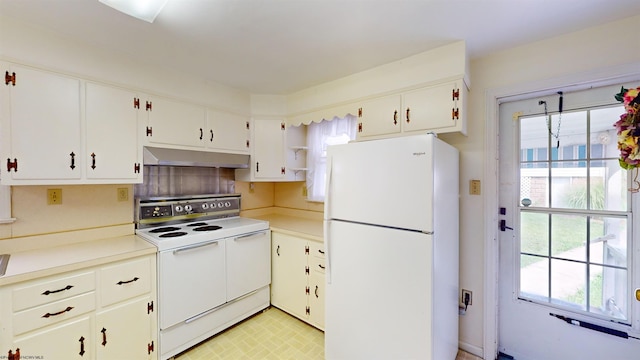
pixel 408 118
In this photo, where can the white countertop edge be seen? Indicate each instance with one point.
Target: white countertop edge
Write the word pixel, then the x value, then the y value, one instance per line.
pixel 36 263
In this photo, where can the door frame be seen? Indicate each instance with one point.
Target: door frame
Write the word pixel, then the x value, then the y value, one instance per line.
pixel 493 98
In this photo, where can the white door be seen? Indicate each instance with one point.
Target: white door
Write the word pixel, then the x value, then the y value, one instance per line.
pixel 175 123
pixel 568 254
pixel 268 158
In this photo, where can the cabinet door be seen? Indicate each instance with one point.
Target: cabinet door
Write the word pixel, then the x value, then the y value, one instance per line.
pixel 175 123
pixel 288 274
pixel 112 134
pixel 316 284
pixel 435 108
pixel 41 126
pixel 69 340
pixel 248 263
pixel 268 160
pixel 124 331
pixel 227 132
pixel 380 116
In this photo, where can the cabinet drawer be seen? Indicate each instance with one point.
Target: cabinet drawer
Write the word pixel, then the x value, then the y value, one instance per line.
pixel 52 289
pixel 316 249
pixel 124 281
pixel 316 264
pixel 52 313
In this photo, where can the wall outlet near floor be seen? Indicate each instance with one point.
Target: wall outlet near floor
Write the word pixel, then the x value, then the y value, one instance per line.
pixel 464 296
pixel 54 196
pixel 123 194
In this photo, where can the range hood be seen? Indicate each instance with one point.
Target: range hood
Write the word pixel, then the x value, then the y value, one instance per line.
pixel 175 157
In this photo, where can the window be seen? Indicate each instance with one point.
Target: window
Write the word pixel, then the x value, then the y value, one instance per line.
pixel 575 214
pixel 320 136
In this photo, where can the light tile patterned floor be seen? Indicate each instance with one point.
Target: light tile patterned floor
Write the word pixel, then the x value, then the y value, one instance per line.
pixel 271 334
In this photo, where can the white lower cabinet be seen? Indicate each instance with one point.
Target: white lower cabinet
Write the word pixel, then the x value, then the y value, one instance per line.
pixel 68 340
pixel 297 277
pixel 101 312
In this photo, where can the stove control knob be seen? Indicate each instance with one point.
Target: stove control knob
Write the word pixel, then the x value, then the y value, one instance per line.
pixel 213 205
pixel 205 206
pixel 178 208
pixel 227 204
pixel 188 208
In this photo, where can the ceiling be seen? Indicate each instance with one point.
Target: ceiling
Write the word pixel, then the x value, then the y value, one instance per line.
pixel 282 46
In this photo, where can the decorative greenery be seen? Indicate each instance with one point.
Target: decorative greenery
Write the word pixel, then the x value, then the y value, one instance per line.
pixel 628 128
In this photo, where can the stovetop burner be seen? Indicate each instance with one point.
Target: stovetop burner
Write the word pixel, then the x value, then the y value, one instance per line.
pixel 197 224
pixel 207 228
pixel 173 234
pixel 164 229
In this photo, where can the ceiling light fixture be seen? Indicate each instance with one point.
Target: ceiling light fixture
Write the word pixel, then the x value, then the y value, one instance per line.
pixel 146 10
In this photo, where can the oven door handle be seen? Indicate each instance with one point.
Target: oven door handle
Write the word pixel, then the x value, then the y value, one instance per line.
pixel 249 236
pixel 193 247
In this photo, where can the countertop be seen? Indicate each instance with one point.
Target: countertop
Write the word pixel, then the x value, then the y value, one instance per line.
pixel 27 264
pixel 294 223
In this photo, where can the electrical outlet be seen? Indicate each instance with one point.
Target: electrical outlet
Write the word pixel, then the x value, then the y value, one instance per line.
pixel 464 294
pixel 474 187
pixel 304 189
pixel 252 188
pixel 123 194
pixel 54 196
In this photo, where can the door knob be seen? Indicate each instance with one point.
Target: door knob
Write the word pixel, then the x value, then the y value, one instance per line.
pixel 638 294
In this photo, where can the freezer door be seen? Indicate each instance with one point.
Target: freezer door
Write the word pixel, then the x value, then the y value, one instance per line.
pixel 388 182
pixel 379 298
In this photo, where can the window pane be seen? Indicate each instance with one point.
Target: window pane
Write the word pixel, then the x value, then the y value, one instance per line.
pixel 608 289
pixel 569 185
pixel 534 185
pixel 568 283
pixel 573 133
pixel 534 134
pixel 608 186
pixel 569 236
pixel 534 277
pixel 608 241
pixel 534 236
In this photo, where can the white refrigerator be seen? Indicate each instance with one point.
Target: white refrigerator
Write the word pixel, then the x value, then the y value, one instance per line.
pixel 391 242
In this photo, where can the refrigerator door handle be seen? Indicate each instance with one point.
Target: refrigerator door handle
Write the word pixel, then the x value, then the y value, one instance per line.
pixel 327 214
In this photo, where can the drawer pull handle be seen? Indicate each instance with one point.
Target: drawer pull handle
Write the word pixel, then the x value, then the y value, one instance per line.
pixel 278 250
pixel 321 267
pixel 104 336
pixel 321 252
pixel 81 345
pixel 48 292
pixel 127 282
pixel 47 315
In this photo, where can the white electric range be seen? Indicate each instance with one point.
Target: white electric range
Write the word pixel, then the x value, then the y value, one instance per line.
pixel 214 267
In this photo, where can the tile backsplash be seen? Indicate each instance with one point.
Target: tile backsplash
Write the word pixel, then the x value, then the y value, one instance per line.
pixel 179 180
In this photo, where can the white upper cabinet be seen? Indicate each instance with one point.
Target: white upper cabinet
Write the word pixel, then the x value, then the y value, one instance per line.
pixel 439 108
pixel 380 116
pixel 61 130
pixel 172 122
pixel 275 152
pixel 227 132
pixel 112 134
pixel 40 126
